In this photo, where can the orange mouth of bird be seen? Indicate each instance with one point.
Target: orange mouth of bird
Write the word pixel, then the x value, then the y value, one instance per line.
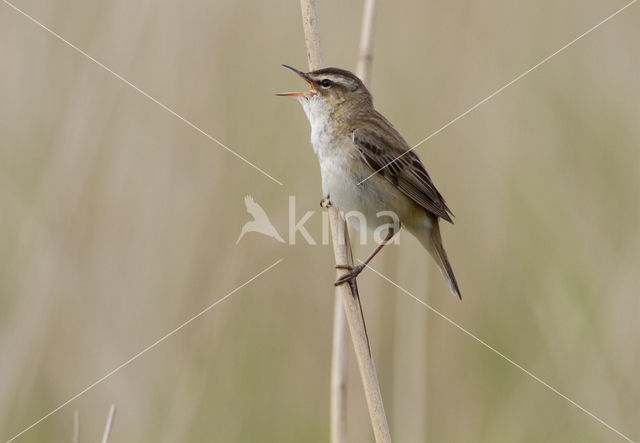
pixel 310 93
pixel 306 94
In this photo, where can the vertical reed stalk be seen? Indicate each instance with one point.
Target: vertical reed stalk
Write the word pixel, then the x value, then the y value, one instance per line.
pixel 109 425
pixel 338 416
pixel 348 293
pixel 339 371
pixel 75 438
pixel 365 54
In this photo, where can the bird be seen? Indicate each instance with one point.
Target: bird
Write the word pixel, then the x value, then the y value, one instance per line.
pixel 366 166
pixel 260 222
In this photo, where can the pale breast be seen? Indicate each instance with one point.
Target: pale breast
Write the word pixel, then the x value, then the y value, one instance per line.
pixel 362 203
pixel 342 171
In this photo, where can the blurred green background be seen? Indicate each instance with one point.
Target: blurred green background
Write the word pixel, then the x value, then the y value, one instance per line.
pixel 118 222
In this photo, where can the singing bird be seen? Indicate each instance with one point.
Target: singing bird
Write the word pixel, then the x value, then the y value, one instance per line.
pixel 367 166
pixel 260 222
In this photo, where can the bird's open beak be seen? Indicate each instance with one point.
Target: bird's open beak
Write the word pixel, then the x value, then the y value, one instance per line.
pixel 309 93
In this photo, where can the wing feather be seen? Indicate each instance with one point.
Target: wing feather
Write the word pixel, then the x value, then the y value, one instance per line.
pixel 384 150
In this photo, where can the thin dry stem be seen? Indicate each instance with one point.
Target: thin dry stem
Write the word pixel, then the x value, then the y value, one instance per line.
pixel 311 33
pixel 365 54
pixel 348 293
pixel 107 428
pixel 75 438
pixel 339 371
pixel 338 406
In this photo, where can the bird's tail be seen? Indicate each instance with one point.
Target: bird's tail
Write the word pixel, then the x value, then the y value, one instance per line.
pixel 433 244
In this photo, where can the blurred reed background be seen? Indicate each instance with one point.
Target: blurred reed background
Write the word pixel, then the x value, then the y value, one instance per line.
pixel 118 222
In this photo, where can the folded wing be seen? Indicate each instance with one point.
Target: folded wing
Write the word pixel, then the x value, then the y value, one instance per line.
pixel 387 154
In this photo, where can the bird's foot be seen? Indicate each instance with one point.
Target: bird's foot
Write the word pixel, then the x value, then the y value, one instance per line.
pixel 325 202
pixel 349 276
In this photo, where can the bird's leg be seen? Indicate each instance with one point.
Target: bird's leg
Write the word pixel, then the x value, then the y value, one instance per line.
pixel 325 202
pixel 357 269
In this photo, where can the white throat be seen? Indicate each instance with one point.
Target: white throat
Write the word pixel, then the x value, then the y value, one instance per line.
pixel 318 112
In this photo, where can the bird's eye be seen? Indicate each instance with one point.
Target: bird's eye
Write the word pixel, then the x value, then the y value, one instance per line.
pixel 326 83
